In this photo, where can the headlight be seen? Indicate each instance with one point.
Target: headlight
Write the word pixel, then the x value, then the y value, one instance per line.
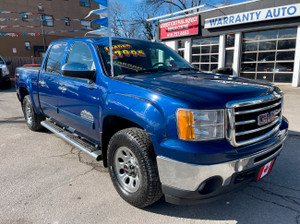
pixel 197 125
pixel 5 71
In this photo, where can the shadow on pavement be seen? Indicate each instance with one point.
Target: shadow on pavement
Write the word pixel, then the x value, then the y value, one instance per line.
pixel 294 133
pixel 274 199
pixel 11 121
pixel 12 89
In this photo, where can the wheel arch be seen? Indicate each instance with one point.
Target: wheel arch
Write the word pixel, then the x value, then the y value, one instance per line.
pixel 126 111
pixel 22 93
pixel 112 124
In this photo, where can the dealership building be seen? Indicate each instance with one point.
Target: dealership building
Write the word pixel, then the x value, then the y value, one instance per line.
pixel 257 39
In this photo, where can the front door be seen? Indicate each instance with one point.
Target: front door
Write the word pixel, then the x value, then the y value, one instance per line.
pixel 78 99
pixel 48 80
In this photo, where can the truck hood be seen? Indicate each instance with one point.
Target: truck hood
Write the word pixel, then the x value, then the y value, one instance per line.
pixel 202 90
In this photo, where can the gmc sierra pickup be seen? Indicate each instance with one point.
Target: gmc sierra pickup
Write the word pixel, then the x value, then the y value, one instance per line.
pixel 161 127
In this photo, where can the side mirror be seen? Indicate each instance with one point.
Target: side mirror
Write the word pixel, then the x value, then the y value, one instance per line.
pixel 8 63
pixel 77 70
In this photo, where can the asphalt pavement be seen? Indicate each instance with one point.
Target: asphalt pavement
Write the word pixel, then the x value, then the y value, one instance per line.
pixel 45 180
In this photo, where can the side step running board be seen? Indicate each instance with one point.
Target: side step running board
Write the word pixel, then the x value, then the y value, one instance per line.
pixel 73 140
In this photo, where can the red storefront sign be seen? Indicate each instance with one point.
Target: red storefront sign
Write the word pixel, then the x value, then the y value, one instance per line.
pixel 179 28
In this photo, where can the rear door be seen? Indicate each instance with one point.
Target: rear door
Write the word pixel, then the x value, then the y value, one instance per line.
pixel 78 99
pixel 48 80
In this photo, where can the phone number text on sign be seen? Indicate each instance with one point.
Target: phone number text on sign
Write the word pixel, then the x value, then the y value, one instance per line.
pixel 179 28
pixel 178 34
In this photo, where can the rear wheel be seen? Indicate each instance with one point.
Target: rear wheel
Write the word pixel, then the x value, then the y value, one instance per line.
pixel 33 120
pixel 132 167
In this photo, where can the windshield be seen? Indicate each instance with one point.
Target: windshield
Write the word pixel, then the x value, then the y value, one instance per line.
pixel 1 61
pixel 131 57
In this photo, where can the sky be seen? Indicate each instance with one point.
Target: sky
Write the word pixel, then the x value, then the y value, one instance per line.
pixel 213 2
pixel 132 3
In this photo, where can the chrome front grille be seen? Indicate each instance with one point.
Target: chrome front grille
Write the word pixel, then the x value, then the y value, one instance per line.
pixel 253 120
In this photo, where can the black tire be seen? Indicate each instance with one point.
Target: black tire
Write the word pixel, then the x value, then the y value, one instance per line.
pixel 138 142
pixel 7 83
pixel 33 120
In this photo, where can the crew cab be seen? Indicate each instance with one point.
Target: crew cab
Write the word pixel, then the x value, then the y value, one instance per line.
pixel 160 126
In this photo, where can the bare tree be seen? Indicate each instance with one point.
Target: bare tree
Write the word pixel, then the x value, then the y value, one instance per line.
pixel 131 22
pixel 175 5
pixel 178 4
pixel 121 22
pixel 147 29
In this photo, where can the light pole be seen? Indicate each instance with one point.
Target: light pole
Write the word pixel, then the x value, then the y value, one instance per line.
pixel 41 11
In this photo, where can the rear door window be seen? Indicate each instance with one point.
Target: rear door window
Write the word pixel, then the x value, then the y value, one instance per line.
pixel 54 58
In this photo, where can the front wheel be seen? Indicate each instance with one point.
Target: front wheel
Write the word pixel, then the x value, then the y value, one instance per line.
pixel 132 167
pixel 33 120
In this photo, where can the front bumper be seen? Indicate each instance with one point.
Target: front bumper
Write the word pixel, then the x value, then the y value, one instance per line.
pixel 185 183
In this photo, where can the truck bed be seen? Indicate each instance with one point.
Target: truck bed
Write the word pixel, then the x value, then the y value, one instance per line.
pixel 27 80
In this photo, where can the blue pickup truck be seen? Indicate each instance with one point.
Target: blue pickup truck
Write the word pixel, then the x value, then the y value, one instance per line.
pixel 161 127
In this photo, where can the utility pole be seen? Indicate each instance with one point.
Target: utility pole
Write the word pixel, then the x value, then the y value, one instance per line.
pixel 41 11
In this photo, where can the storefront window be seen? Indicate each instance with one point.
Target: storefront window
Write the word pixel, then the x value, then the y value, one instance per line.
pixel 215 49
pixel 196 50
pixel 269 55
pixel 269 34
pixel 285 55
pixel 286 44
pixel 205 49
pixel 287 33
pixel 249 57
pixel 204 58
pixel 205 53
pixel 252 46
pixel 195 59
pixel 266 56
pixel 251 36
pixel 228 58
pixel 267 45
pixel 229 50
pixel 230 40
pixel 181 48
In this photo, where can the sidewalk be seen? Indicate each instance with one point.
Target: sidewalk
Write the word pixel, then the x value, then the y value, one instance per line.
pixel 291 108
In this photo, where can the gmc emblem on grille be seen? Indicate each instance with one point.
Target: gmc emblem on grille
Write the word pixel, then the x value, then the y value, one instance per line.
pixel 266 118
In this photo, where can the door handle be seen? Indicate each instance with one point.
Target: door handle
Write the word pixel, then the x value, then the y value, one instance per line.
pixel 63 88
pixel 42 83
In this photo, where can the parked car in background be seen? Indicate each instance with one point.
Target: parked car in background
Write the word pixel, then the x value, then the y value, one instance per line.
pixel 5 82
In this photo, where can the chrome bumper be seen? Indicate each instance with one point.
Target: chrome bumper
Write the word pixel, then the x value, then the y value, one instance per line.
pixel 188 177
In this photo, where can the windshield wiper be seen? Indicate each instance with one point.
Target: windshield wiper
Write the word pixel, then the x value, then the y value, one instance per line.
pixel 160 70
pixel 146 71
pixel 184 69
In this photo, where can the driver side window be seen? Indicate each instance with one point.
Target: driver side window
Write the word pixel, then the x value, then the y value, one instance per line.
pixel 80 53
